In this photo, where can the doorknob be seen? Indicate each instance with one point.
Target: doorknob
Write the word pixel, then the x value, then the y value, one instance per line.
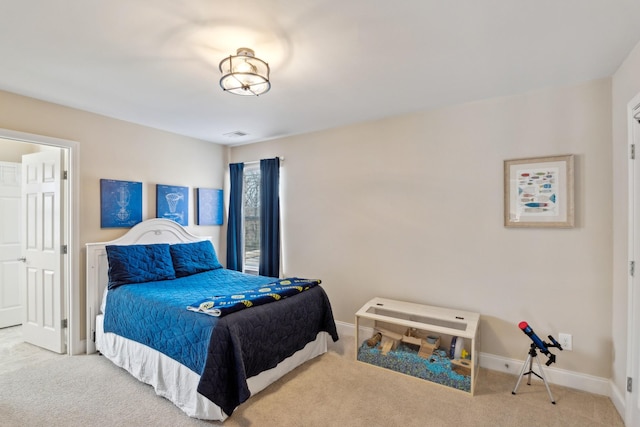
pixel 23 259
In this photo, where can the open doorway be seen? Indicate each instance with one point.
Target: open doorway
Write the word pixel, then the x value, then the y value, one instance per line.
pixel 12 146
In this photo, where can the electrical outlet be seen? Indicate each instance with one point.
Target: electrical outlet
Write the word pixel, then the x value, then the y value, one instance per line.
pixel 565 341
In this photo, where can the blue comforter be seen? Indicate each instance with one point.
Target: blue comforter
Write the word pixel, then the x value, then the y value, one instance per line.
pixel 223 351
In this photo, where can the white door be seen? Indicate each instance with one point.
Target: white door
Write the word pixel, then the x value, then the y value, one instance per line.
pixel 10 263
pixel 43 295
pixel 632 415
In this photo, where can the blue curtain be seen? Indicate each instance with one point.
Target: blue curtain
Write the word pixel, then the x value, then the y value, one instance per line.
pixel 269 218
pixel 234 224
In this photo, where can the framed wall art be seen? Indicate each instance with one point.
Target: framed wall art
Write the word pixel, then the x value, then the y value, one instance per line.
pixel 208 206
pixel 120 203
pixel 172 202
pixel 538 192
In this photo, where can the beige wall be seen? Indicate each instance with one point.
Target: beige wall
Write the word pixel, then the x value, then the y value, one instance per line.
pixel 412 208
pixel 625 86
pixel 12 151
pixel 115 149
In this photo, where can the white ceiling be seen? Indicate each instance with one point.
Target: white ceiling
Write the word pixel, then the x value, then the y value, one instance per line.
pixel 155 62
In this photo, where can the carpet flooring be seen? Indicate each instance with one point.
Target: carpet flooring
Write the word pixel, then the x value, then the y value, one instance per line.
pixel 331 390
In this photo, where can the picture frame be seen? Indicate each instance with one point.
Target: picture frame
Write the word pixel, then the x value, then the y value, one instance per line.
pixel 120 203
pixel 209 206
pixel 172 202
pixel 538 192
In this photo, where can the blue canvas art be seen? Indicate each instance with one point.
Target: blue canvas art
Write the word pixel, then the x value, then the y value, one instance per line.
pixel 209 206
pixel 120 203
pixel 172 202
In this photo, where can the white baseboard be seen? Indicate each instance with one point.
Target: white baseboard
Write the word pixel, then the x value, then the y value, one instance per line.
pixel 579 381
pixel 562 377
pixel 619 400
pixel 349 329
pixel 80 347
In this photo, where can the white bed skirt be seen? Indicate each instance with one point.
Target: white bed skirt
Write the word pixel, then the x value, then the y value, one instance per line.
pixel 178 383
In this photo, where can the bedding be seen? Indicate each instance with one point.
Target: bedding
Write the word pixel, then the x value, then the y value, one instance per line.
pixel 244 348
pixel 224 351
pixel 139 264
pixel 221 305
pixel 192 258
pixel 178 383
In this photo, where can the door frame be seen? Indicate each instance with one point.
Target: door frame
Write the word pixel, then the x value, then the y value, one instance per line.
pixel 632 400
pixel 71 235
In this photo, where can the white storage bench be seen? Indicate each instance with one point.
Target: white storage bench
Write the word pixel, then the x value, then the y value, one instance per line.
pixel 432 343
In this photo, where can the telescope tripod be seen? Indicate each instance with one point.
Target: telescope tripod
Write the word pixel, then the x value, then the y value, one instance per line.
pixel 533 354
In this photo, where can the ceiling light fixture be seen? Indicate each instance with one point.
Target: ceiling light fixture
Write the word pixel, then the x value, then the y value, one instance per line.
pixel 244 74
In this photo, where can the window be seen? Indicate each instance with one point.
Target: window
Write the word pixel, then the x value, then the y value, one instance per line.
pixel 251 218
pixel 253 233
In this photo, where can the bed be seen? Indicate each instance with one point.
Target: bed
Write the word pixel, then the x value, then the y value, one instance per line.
pixel 205 364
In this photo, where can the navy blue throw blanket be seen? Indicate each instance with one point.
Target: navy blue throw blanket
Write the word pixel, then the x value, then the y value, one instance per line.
pixel 224 351
pixel 222 305
pixel 257 340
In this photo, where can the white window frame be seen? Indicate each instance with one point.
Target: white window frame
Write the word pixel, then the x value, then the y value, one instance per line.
pixel 249 265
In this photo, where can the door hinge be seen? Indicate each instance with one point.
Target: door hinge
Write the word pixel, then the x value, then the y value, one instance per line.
pixel 629 385
pixel 632 268
pixel 64 249
pixel 64 175
pixel 633 152
pixel 65 323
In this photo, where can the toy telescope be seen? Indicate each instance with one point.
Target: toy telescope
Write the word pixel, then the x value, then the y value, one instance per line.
pixel 542 346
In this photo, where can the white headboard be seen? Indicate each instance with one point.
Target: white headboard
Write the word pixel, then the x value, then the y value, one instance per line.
pixel 155 230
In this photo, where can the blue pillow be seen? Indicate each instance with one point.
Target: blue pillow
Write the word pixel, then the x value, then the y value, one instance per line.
pixel 192 258
pixel 138 264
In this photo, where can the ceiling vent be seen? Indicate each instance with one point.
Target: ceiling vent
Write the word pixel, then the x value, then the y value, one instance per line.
pixel 235 134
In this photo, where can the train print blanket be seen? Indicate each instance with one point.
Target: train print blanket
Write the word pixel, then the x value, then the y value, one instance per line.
pixel 221 305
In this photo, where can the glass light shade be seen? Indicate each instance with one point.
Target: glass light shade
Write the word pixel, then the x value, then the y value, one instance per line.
pixel 244 74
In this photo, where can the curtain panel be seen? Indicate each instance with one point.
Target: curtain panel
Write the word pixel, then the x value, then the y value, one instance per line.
pixel 270 218
pixel 234 225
